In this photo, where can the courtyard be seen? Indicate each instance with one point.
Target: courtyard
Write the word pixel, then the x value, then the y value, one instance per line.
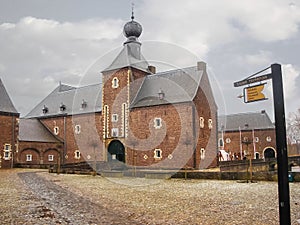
pixel 39 197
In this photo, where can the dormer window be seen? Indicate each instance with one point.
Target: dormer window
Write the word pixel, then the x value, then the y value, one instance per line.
pixel 83 104
pixel 45 109
pixel 161 94
pixel 62 107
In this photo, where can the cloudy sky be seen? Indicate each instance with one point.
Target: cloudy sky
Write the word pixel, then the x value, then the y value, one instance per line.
pixel 43 42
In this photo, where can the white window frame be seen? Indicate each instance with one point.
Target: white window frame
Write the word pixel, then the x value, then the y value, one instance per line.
pixel 268 139
pixel 201 122
pixel 7 152
pixel 202 153
pixel 28 157
pixel 157 122
pixel 114 117
pixel 115 132
pixel 210 123
pixel 77 154
pixel 115 82
pixel 228 140
pixel 50 158
pixel 157 153
pixel 56 130
pixel 77 129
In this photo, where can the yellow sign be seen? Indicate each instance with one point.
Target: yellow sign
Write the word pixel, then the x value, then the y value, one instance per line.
pixel 254 93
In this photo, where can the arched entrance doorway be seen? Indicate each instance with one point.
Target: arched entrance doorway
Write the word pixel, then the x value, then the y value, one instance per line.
pixel 269 153
pixel 116 151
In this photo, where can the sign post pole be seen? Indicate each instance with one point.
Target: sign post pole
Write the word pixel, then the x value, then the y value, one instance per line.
pixel 282 156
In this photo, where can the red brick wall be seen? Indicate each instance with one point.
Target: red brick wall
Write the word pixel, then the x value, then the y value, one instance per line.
pixel 260 146
pixel 8 135
pixel 86 142
pixel 39 152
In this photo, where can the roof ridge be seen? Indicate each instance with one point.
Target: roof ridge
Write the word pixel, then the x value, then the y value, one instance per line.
pixel 170 71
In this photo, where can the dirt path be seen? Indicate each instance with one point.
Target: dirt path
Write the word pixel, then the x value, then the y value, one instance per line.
pixel 57 205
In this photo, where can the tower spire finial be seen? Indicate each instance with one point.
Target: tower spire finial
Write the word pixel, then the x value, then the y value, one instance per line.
pixel 132 10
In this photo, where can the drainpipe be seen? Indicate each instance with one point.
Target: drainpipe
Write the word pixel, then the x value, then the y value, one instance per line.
pixel 12 140
pixel 194 136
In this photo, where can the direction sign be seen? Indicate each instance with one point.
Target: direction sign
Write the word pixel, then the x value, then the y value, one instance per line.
pixel 252 80
pixel 254 93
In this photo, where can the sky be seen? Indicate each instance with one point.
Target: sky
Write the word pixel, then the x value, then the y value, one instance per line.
pixel 44 42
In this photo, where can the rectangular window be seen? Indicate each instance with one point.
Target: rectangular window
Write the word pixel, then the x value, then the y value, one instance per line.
pixel 28 158
pixel 7 152
pixel 114 118
pixel 6 155
pixel 50 158
pixel 114 132
pixel 157 123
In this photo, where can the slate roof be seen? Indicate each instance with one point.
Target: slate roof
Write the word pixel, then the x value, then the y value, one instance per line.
pixel 72 98
pixel 34 131
pixel 130 56
pixel 179 85
pixel 255 120
pixel 6 104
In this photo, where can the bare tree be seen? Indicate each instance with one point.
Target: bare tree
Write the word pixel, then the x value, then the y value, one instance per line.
pixel 293 127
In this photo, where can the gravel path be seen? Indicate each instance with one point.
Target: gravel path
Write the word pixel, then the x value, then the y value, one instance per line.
pixel 35 197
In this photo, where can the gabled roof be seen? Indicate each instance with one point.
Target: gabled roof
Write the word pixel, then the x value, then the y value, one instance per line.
pixel 72 99
pixel 130 56
pixel 245 121
pixel 6 104
pixel 33 130
pixel 179 85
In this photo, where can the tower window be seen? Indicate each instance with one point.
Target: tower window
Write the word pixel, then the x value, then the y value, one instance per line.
pixel 114 118
pixel 202 153
pixel 115 82
pixel 115 132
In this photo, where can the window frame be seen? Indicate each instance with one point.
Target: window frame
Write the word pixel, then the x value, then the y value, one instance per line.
pixel 77 129
pixel 157 153
pixel 157 124
pixel 50 158
pixel 115 82
pixel 28 157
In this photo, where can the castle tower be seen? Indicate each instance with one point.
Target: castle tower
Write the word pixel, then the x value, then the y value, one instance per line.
pixel 121 81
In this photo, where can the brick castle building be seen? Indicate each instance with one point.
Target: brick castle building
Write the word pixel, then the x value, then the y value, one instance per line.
pixel 9 118
pixel 136 116
pixel 246 135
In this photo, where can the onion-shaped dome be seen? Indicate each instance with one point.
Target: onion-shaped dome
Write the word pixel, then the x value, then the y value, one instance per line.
pixel 132 29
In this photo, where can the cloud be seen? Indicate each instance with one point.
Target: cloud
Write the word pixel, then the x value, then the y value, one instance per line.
pixel 38 53
pixel 290 76
pixel 201 24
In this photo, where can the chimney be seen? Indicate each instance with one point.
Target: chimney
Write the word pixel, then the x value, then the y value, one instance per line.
pixel 201 66
pixel 152 69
